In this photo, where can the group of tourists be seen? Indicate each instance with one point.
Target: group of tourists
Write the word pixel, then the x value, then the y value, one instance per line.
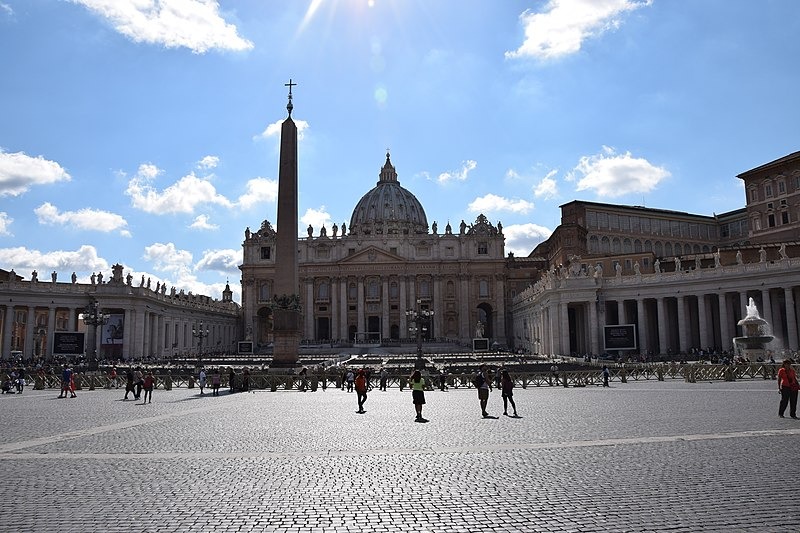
pixel 137 381
pixel 358 381
pixel 13 381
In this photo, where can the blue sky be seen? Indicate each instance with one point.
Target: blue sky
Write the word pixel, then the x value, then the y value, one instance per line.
pixel 144 132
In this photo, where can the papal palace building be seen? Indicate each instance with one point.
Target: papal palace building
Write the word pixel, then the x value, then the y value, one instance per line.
pixel 682 280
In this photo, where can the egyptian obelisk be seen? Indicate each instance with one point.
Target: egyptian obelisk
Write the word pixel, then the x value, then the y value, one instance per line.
pixel 286 303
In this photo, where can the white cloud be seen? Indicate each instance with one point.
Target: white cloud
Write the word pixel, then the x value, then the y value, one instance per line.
pixel 84 259
pixel 225 261
pixel 201 222
pixel 84 219
pixel 209 161
pixel 460 174
pixel 19 172
pixel 563 25
pixel 181 197
pixel 167 257
pixel 492 203
pixel 317 218
pixel 547 187
pixel 193 24
pixel 521 239
pixel 612 175
pixel 7 8
pixel 274 129
pixel 259 190
pixel 5 223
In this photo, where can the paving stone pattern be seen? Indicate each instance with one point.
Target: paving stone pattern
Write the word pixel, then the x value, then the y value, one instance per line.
pixel 637 457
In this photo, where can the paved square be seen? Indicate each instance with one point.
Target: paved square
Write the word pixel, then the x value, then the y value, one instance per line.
pixel 636 457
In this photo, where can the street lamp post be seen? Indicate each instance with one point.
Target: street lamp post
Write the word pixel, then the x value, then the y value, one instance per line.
pixel 93 316
pixel 420 319
pixel 200 333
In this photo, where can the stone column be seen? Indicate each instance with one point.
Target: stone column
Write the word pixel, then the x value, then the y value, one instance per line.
pixel 30 326
pixel 726 337
pixel 127 333
pixel 683 330
pixel 137 341
pixel 403 307
pixel 500 310
pixel 72 319
pixel 8 321
pixel 743 301
pixel 146 317
pixel 160 341
pixel 563 326
pixel 766 304
pixel 594 342
pixel 621 315
pixel 706 338
pixel 308 310
pixel 361 327
pixel 51 327
pixel 385 330
pixel 791 318
pixel 641 317
pixel 465 319
pixel 662 325
pixel 438 307
pixel 334 292
pixel 343 309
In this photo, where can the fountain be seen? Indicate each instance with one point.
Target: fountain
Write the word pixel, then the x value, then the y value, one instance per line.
pixel 756 334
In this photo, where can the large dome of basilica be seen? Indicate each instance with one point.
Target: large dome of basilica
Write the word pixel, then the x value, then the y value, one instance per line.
pixel 388 208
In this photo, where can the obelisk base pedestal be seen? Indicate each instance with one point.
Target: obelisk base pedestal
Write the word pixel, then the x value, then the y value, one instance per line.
pixel 285 338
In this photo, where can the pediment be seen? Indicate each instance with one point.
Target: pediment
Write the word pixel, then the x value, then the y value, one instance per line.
pixel 372 255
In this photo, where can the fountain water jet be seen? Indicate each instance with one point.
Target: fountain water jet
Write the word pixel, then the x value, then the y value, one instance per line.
pixel 756 335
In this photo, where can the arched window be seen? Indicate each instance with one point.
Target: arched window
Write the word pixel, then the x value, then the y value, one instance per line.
pixel 394 290
pixel 637 246
pixel 616 246
pixel 594 244
pixel 668 249
pixel 352 292
pixel 627 246
pixel 373 290
pixel 605 245
pixel 483 288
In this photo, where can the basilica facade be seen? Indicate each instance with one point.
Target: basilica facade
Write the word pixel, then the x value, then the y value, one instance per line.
pixel 366 281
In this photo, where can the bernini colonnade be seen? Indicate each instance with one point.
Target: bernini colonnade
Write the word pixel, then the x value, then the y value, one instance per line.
pixel 675 311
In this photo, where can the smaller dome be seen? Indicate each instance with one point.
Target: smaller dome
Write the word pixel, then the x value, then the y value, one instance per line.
pixel 388 208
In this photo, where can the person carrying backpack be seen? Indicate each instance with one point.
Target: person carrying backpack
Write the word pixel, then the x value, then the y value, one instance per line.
pixel 483 385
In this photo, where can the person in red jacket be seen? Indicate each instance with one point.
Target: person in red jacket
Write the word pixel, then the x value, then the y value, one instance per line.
pixel 788 387
pixel 361 390
pixel 149 383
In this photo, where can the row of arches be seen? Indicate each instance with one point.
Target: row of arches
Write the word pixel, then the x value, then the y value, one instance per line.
pixel 603 244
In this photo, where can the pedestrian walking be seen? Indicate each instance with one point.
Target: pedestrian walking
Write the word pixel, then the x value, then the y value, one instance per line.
pixel 129 386
pixel 349 378
pixel 216 379
pixel 606 374
pixel 384 376
pixel 147 385
pixel 72 383
pixel 66 377
pixel 20 380
pixel 788 387
pixel 361 390
pixel 138 380
pixel 201 380
pixel 442 380
pixel 418 394
pixel 482 383
pixel 507 390
pixel 232 379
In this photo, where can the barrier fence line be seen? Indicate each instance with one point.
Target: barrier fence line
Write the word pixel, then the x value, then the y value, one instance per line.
pixel 258 380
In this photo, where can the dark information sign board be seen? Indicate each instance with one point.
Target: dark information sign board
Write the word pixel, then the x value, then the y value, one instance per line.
pixel 620 337
pixel 68 343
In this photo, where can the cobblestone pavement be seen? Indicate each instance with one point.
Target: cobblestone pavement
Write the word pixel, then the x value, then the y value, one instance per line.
pixel 636 457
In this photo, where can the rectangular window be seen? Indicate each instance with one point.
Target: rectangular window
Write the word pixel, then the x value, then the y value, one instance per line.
pixel 449 251
pixel 625 223
pixel 768 190
pixel 613 221
pixel 781 187
pixel 771 221
pixel 784 217
pixel 753 195
pixel 602 220
pixel 483 248
pixel 393 250
pixel 645 225
pixel 351 251
pixel 591 219
pixel 266 252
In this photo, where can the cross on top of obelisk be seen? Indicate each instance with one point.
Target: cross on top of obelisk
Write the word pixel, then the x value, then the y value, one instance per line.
pixel 289 106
